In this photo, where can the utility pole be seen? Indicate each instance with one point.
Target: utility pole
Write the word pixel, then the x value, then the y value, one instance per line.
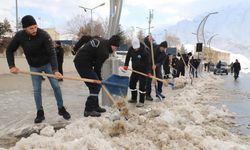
pixel 17 24
pixel 150 17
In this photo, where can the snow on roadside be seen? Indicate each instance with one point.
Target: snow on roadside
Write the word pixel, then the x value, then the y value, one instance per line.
pixel 183 121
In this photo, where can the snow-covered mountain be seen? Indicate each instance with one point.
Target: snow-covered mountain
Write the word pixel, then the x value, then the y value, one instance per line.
pixel 232 24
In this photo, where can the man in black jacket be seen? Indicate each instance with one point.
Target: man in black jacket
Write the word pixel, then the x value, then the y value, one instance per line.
pixel 160 57
pixel 41 57
pixel 139 57
pixel 236 68
pixel 88 62
pixel 147 41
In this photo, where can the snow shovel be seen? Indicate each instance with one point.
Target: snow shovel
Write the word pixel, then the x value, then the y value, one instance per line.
pixel 165 82
pixel 116 85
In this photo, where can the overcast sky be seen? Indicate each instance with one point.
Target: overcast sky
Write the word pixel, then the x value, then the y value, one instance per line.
pixel 56 13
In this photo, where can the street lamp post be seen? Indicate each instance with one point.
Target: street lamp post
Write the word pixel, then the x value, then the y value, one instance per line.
pixel 209 42
pixel 201 26
pixel 91 14
pixel 17 23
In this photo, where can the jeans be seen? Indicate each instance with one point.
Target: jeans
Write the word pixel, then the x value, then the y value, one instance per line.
pixel 37 84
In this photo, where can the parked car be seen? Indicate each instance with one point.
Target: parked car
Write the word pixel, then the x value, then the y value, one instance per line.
pixel 222 70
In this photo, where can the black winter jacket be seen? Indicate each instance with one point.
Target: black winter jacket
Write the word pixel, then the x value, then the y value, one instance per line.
pixel 160 57
pixel 38 49
pixel 59 54
pixel 93 54
pixel 236 67
pixel 139 58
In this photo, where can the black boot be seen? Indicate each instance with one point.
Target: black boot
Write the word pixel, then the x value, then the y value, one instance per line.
pixel 62 112
pixel 98 108
pixel 39 116
pixel 149 98
pixel 133 97
pixel 91 113
pixel 90 107
pixel 142 97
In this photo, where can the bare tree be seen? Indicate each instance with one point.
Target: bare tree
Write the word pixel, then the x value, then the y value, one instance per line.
pixel 5 27
pixel 129 34
pixel 81 25
pixel 173 41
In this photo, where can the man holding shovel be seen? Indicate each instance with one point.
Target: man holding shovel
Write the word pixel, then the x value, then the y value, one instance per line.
pixel 88 62
pixel 41 57
pixel 160 56
pixel 139 57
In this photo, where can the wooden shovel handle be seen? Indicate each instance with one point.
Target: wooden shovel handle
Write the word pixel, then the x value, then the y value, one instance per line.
pixel 153 77
pixel 64 77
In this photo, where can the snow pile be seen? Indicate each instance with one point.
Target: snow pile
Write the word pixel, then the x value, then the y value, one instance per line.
pixel 183 121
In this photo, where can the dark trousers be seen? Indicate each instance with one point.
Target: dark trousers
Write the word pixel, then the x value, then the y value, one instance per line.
pixel 134 78
pixel 236 73
pixel 194 72
pixel 158 73
pixel 174 73
pixel 60 67
pixel 148 86
pixel 94 89
pixel 181 71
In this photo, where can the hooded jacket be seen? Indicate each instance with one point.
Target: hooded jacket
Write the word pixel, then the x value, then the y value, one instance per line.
pixel 38 49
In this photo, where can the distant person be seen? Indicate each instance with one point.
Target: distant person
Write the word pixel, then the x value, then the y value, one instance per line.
pixel 184 59
pixel 174 64
pixel 231 67
pixel 194 64
pixel 205 66
pixel 208 66
pixel 60 55
pixel 41 57
pixel 236 68
pixel 218 66
pixel 139 58
pixel 88 62
pixel 160 57
pixel 166 67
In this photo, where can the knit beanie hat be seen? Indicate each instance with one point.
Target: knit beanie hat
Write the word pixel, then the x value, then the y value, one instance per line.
pixel 115 40
pixel 164 44
pixel 28 20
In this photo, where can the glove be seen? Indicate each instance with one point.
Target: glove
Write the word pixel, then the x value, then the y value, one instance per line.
pixel 125 67
pixel 153 67
pixel 149 75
